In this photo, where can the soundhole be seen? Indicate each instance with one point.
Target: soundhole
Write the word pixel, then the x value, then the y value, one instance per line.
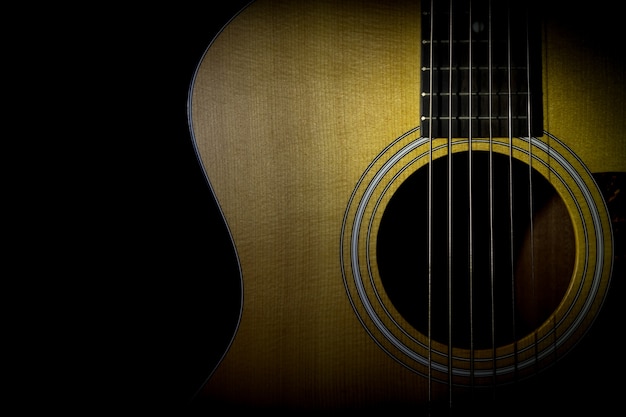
pixel 489 285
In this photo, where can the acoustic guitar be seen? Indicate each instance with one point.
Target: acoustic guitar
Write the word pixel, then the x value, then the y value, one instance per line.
pixel 414 198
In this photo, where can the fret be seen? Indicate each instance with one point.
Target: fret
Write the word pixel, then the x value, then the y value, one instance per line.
pixel 498 67
pixel 476 93
pixel 488 117
pixel 455 41
pixel 475 67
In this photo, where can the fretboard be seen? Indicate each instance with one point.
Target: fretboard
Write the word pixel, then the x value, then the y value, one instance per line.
pixel 483 62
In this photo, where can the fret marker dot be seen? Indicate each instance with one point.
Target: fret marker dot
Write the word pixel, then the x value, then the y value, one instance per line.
pixel 478 27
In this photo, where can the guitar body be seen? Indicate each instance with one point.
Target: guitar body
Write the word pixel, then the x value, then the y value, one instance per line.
pixel 295 108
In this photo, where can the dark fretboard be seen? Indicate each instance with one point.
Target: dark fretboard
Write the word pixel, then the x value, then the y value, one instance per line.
pixel 485 67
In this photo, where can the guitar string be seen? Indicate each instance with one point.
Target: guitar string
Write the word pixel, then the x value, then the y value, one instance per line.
pixel 530 186
pixel 430 200
pixel 470 201
pixel 510 157
pixel 491 207
pixel 450 289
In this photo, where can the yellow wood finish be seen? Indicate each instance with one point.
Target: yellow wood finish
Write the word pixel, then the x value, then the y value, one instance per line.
pixel 290 104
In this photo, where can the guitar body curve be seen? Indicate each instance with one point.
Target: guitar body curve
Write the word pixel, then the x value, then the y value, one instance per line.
pixel 290 105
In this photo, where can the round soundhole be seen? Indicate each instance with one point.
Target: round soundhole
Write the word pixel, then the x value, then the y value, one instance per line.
pixel 502 250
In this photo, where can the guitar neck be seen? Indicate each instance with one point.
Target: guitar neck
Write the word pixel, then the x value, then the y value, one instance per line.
pixel 481 70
